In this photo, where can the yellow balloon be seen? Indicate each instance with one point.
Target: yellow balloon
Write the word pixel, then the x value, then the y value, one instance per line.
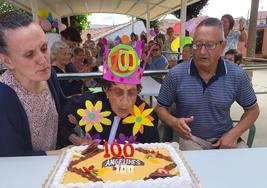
pixel 175 44
pixel 43 13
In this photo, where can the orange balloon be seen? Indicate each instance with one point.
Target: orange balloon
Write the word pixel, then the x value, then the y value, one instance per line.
pixel 125 39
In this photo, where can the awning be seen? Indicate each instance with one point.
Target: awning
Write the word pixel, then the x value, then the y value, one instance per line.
pixel 135 8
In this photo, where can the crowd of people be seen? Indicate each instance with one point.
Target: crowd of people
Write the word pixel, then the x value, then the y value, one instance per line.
pixel 39 114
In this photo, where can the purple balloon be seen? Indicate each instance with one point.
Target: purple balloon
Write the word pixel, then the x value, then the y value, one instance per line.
pixel 116 42
pixel 152 32
pixel 55 24
pixel 190 26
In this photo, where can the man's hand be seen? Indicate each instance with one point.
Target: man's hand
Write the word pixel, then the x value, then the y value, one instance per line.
pixel 182 127
pixel 228 140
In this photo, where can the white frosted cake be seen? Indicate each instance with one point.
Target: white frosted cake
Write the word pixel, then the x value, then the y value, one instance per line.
pixel 121 166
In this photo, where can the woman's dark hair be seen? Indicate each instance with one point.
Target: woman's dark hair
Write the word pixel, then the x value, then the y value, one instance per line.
pixel 106 85
pixel 230 19
pixel 72 34
pixel 12 20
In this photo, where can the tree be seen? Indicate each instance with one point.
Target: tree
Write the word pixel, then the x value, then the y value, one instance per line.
pixel 192 10
pixel 80 22
pixel 6 7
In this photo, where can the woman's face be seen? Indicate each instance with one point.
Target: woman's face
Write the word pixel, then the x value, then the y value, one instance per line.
pixel 80 56
pixel 122 98
pixel 226 24
pixel 28 55
pixel 64 56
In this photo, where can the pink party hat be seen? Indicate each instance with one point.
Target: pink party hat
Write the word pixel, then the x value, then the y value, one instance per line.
pixel 122 65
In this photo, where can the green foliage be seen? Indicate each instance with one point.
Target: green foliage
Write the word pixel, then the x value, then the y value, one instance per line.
pixel 192 10
pixel 152 23
pixel 6 7
pixel 79 22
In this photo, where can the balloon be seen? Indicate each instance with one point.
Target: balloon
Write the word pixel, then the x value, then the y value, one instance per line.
pixel 152 33
pixel 46 25
pixel 105 41
pixel 116 42
pixel 118 38
pixel 55 24
pixel 50 17
pixel 61 26
pixel 43 13
pixel 175 44
pixel 190 26
pixel 176 28
pixel 125 39
pixel 186 40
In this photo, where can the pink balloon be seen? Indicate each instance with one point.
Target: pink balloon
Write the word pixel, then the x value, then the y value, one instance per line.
pixel 61 26
pixel 105 41
pixel 46 25
pixel 176 28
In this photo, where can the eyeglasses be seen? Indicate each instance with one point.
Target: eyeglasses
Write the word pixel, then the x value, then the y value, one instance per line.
pixel 117 92
pixel 156 49
pixel 208 45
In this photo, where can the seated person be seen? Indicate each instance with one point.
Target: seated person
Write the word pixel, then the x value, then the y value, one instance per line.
pixel 117 113
pixel 186 53
pixel 157 61
pixel 78 60
pixel 30 96
pixel 204 90
pixel 233 56
pixel 60 57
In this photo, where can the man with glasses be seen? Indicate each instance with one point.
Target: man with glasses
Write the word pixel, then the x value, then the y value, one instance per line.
pixel 204 90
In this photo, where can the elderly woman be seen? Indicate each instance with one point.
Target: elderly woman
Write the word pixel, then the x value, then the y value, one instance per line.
pixel 60 56
pixel 117 113
pixel 30 96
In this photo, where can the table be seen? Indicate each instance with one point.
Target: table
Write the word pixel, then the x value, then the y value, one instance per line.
pixel 150 88
pixel 232 168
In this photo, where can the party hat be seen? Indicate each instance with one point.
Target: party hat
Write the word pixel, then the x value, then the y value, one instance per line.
pixel 122 65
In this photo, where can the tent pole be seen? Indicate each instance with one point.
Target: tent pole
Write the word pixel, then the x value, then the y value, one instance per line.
pixel 183 17
pixel 132 22
pixel 34 7
pixel 147 22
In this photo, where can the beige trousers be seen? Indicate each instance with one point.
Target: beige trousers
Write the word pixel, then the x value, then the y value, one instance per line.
pixel 200 144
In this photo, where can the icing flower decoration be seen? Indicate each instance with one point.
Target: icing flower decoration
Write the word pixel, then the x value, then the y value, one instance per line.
pixel 95 137
pixel 140 117
pixel 124 139
pixel 96 172
pixel 92 116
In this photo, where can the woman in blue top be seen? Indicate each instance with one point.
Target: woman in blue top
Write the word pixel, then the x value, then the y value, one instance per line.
pixel 232 37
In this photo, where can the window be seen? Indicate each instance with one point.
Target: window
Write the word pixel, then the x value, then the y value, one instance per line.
pixel 259 40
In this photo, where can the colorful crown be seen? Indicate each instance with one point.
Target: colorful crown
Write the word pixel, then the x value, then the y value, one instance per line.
pixel 122 64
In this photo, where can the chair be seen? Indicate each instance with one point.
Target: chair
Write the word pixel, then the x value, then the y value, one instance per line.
pixel 251 134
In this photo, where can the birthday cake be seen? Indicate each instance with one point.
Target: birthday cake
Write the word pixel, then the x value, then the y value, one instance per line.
pixel 121 166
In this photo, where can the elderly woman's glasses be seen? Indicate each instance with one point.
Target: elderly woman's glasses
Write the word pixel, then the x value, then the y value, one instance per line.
pixel 208 45
pixel 120 92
